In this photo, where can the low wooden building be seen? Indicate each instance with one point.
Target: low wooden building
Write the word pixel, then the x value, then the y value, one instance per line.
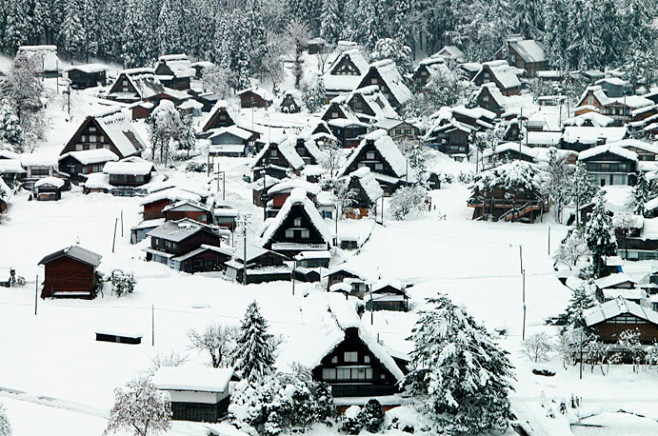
pixel 48 189
pixel 262 266
pixel 221 115
pixel 365 192
pixel 613 317
pixel 153 205
pixel 610 165
pixel 528 55
pixel 490 98
pixel 71 273
pixel 87 76
pixel 80 163
pixel 175 71
pixel 255 97
pixel 188 209
pixel 197 394
pixel 387 295
pixel 344 73
pixel 134 85
pixel 290 103
pixel 129 172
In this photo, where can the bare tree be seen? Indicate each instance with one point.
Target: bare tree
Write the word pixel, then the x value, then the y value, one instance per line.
pixel 218 341
pixel 572 248
pixel 298 33
pixel 139 407
pixel 537 347
pixel 166 360
pixel 217 80
pixel 332 157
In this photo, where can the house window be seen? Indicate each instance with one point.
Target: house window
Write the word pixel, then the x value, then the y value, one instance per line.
pixel 398 132
pixel 407 131
pixel 298 222
pixel 343 373
pixel 379 167
pixel 92 138
pixel 290 233
pixel 373 81
pixel 366 358
pixel 78 147
pixel 329 373
pixel 370 155
pixel 334 359
pixel 92 128
pixel 334 115
pixel 351 356
pixel 306 234
pixel 485 98
pixel 83 138
pixel 101 138
pixel 274 153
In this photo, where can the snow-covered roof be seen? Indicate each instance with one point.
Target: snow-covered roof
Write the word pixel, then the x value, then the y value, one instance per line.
pixel 121 132
pixel 172 194
pixel 353 55
pixel 608 148
pixel 89 68
pixel 192 378
pixel 598 93
pixel 376 101
pixel 651 147
pixel 369 184
pixel 513 147
pixel 505 74
pixel 612 80
pixel 530 50
pixel 179 64
pixel 48 54
pixel 37 160
pixel 144 81
pixel 52 181
pixel 389 73
pixel 592 135
pixel 386 147
pixel 177 230
pixel 290 184
pixel 627 294
pixel 11 166
pixel 597 120
pixel 231 130
pixel 384 283
pixel 340 287
pixel 261 92
pixel 297 198
pixel 633 101
pixel 221 105
pixel 76 252
pixel 495 93
pixel 129 167
pixel 87 157
pixel 288 149
pixel 613 280
pixel 618 306
pixel 450 52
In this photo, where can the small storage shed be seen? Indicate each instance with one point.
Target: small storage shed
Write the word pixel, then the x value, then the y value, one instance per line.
pixel 119 336
pixel 49 189
pixel 197 393
pixel 70 273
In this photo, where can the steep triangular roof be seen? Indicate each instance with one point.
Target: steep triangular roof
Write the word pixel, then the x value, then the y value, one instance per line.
pixel 75 252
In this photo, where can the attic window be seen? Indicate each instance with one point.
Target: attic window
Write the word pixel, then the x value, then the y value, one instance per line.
pixel 485 98
pixel 351 356
pixel 274 153
pixel 92 128
pixel 370 155
pixel 306 234
pixel 297 222
pixel 373 81
pixel 334 359
pixel 366 359
pixel 290 233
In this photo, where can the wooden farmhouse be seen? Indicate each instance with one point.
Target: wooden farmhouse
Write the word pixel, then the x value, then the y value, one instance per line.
pixel 289 102
pixel 230 141
pixel 359 283
pixel 451 53
pixel 528 55
pixel 261 266
pixel 344 74
pixel 610 165
pixel 44 57
pixel 278 193
pixel 49 189
pixel 189 209
pixel 134 85
pixel 499 72
pixel 611 318
pixel 365 191
pixel 450 137
pixel 297 227
pixel 77 164
pixel 370 105
pixel 71 273
pixel 621 109
pixel 508 152
pixel 175 71
pixel 646 151
pixel 109 130
pixel 509 192
pixel 400 130
pixel 583 138
pixel 386 76
pixel 255 97
pixel 614 86
pixel 129 172
pixel 186 245
pixel 197 393
pixel 221 115
pixel 426 69
pixel 387 164
pixel 342 353
pixel 490 98
pixel 290 155
pixel 154 204
pixel 618 285
pixel 387 295
pixel 87 76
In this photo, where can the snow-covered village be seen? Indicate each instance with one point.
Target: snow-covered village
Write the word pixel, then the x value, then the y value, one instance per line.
pixel 328 217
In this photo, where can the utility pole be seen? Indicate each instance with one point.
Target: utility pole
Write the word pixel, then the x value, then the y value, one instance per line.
pixel 521 257
pixel 114 238
pixel 524 308
pixel 153 325
pixel 372 319
pixel 549 240
pixel 581 353
pixel 336 233
pixel 36 295
pixel 243 222
pixel 264 194
pixel 294 271
pixel 382 210
pixel 122 223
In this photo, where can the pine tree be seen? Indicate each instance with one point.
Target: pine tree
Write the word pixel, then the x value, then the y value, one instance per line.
pixel 599 235
pixel 16 27
pixel 137 49
pixel 254 352
pixel 527 18
pixel 462 378
pixel 557 184
pixel 558 28
pixel 641 193
pixel 402 22
pixel 72 35
pixel 5 427
pixel 331 27
pixel 10 127
pixel 169 28
pixel 582 188
pixel 580 301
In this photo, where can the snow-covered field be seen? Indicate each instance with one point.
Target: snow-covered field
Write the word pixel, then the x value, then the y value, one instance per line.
pixel 55 376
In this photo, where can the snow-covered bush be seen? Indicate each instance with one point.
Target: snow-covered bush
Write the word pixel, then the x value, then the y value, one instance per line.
pixel 350 422
pixel 141 408
pixel 122 282
pixel 218 341
pixel 281 403
pixel 314 95
pixel 372 416
pixel 5 427
pixel 572 249
pixel 196 167
pixel 462 378
pixel 600 235
pixel 406 200
pixel 537 347
pixel 11 133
